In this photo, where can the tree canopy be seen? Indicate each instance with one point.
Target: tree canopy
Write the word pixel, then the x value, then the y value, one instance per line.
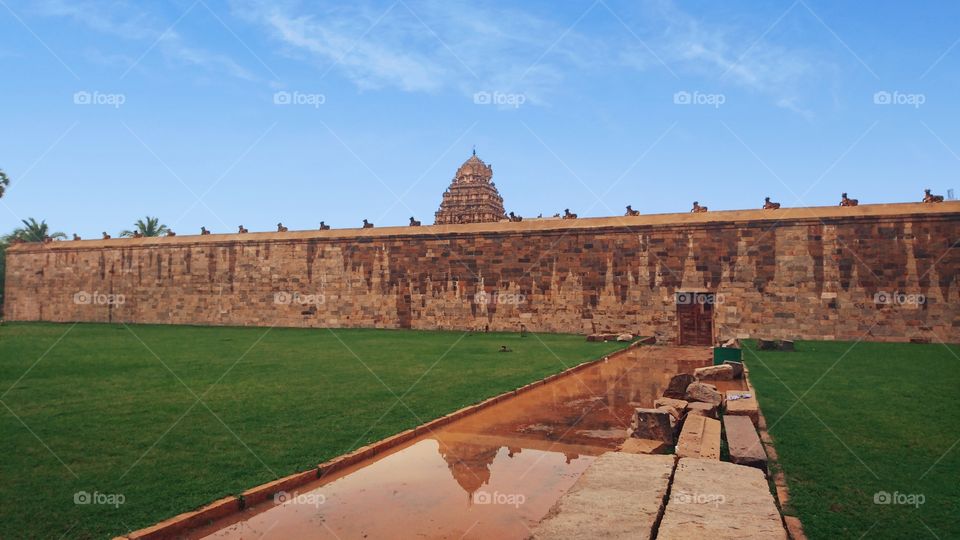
pixel 33 231
pixel 150 226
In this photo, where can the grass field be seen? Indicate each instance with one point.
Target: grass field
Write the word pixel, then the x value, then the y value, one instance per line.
pixel 872 419
pixel 170 418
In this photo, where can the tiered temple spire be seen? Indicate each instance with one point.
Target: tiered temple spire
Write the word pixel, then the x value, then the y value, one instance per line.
pixel 472 197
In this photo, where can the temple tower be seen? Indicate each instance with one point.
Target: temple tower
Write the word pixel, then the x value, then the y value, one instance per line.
pixel 472 197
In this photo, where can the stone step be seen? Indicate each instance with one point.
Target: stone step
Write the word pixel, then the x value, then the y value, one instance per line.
pixel 742 403
pixel 744 443
pixel 619 496
pixel 720 501
pixel 699 438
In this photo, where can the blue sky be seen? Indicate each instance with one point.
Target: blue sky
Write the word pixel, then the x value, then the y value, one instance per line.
pixel 217 113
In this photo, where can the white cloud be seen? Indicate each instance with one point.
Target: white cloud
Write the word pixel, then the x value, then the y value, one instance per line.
pixel 131 22
pixel 726 53
pixel 427 46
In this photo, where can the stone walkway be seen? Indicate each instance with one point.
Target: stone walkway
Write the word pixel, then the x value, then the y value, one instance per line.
pixel 625 495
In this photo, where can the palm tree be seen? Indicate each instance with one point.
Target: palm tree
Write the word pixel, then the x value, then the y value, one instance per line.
pixel 150 227
pixel 4 182
pixel 34 232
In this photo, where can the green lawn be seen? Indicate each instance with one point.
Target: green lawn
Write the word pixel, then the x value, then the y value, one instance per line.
pixel 873 418
pixel 119 406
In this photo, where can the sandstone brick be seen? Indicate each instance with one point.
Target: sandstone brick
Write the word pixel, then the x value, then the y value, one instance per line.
pixel 698 408
pixel 655 424
pixel 723 372
pixel 677 388
pixel 677 404
pixel 643 446
pixel 706 393
pixel 620 496
pixel 699 438
pixel 720 501
pixel 742 403
pixel 743 442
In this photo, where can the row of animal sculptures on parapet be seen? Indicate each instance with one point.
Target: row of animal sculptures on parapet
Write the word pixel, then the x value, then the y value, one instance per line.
pixel 567 214
pixel 771 205
pixel 243 230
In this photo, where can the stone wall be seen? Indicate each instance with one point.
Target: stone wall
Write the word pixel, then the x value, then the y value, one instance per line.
pixel 817 273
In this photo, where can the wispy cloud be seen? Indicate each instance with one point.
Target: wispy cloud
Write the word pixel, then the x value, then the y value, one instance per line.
pixel 431 46
pixel 726 53
pixel 132 22
pixel 435 46
pixel 424 46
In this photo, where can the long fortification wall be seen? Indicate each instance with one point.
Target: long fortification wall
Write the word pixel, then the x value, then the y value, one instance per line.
pixel 875 272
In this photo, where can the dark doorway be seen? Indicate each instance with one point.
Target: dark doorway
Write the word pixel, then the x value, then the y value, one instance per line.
pixel 695 316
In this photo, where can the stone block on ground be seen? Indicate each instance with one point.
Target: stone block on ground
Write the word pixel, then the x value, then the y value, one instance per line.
pixel 732 343
pixel 742 403
pixel 674 413
pixel 786 345
pixel 699 438
pixel 678 404
pixel 744 443
pixel 655 424
pixel 767 344
pixel 677 389
pixel 625 337
pixel 706 393
pixel 737 368
pixel 698 408
pixel 723 372
pixel 620 496
pixel 720 501
pixel 643 446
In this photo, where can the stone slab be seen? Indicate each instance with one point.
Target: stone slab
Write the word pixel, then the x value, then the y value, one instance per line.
pixel 737 368
pixel 620 496
pixel 656 424
pixel 720 501
pixel 705 393
pixel 633 445
pixel 723 372
pixel 699 438
pixel 678 404
pixel 698 408
pixel 677 388
pixel 742 403
pixel 744 443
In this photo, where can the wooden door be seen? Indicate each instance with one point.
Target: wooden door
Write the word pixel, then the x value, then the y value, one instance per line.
pixel 695 317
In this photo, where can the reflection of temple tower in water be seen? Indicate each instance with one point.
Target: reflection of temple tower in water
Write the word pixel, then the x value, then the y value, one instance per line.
pixel 469 464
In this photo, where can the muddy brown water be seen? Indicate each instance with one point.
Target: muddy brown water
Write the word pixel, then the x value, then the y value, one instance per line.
pixel 493 474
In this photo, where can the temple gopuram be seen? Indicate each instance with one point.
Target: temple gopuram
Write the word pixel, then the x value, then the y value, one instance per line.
pixel 472 197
